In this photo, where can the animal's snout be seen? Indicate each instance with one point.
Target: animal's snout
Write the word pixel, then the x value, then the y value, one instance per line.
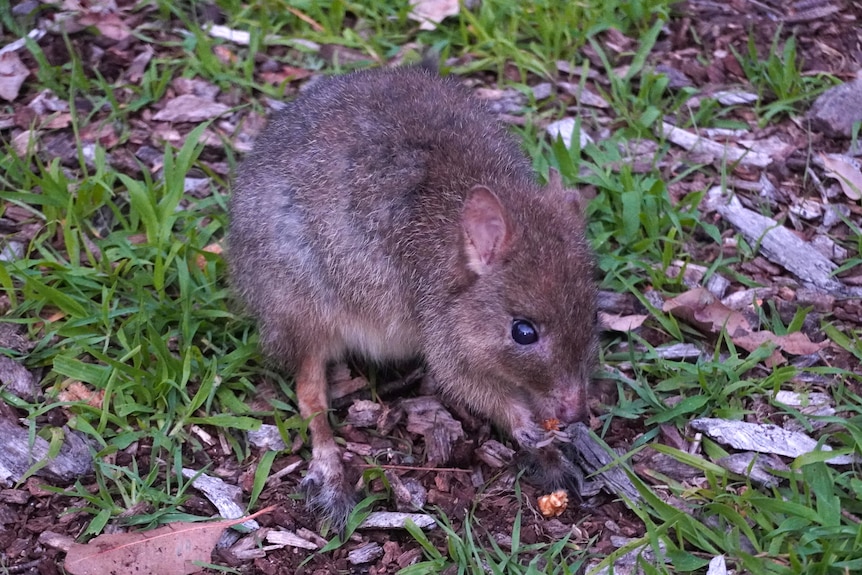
pixel 571 406
pixel 572 412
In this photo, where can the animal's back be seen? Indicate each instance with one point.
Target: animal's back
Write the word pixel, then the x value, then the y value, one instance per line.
pixel 351 185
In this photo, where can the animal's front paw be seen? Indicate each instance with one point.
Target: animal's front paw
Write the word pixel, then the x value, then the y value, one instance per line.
pixel 530 436
pixel 327 493
pixel 549 469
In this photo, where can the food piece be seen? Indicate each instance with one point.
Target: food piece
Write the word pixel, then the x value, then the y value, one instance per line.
pixel 553 504
pixel 551 424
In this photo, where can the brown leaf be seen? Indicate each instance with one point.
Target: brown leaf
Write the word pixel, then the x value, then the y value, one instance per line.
pixel 189 108
pixel 108 24
pixel 214 248
pixel 432 12
pixel 796 343
pixel 76 391
pixel 621 323
pixel 12 75
pixel 848 175
pixel 171 549
pixel 57 121
pixel 26 143
pixel 136 69
pixel 287 73
pixel 701 309
pixel 225 54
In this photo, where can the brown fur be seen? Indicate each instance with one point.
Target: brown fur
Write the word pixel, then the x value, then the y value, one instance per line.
pixel 389 214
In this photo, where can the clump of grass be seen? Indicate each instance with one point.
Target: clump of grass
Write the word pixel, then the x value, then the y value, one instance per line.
pixel 779 80
pixel 119 294
pixel 472 550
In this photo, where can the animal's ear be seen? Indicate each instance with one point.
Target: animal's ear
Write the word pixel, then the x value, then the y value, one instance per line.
pixel 485 230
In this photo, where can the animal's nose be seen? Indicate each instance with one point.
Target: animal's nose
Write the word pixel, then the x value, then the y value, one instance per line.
pixel 572 410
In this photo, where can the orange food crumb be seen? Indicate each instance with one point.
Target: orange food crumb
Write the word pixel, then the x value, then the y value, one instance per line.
pixel 551 424
pixel 553 504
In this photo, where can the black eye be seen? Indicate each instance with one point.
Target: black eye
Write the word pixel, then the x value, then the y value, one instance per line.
pixel 523 332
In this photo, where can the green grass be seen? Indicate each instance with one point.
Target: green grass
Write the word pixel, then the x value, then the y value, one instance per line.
pixel 778 79
pixel 474 551
pixel 117 290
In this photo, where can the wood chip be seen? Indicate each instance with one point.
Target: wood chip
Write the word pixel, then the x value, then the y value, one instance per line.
pixel 286 538
pixel 190 108
pixel 222 494
pixel 266 437
pixel 593 456
pixel 780 245
pixel 365 553
pixel 719 152
pixel 18 455
pixel 764 438
pixel 410 494
pixel 363 413
pixel 427 416
pixel 756 466
pixel 494 454
pixel 396 520
pixel 17 379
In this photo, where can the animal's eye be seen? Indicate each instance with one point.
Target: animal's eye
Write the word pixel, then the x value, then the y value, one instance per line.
pixel 523 332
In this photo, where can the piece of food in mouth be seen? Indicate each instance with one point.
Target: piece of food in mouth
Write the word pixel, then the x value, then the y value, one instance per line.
pixel 553 504
pixel 551 424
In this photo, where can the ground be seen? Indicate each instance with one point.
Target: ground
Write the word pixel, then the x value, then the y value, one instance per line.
pixel 704 47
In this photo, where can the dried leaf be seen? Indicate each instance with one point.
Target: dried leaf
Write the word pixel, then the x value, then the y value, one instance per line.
pixel 701 309
pixel 73 391
pixel 432 12
pixel 108 24
pixel 189 108
pixel 621 323
pixel 136 69
pixel 846 172
pixel 796 343
pixel 214 248
pixel 12 75
pixel 285 74
pixel 565 129
pixel 26 143
pixel 169 550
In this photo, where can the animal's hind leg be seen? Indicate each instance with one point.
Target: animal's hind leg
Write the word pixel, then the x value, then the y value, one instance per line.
pixel 327 491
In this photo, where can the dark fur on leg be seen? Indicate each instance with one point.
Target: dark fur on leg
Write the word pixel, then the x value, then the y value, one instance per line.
pixel 549 470
pixel 327 493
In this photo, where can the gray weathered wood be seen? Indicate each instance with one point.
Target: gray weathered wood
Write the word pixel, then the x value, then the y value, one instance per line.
pixel 396 520
pixel 592 456
pixel 780 245
pixel 18 455
pixel 764 438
